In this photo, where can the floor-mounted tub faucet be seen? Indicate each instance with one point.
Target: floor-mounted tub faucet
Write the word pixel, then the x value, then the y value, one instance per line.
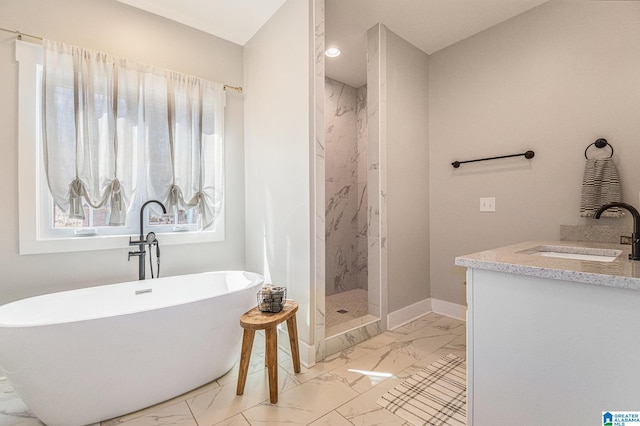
pixel 635 237
pixel 142 240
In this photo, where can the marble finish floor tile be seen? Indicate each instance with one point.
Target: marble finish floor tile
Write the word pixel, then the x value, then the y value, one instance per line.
pixel 364 411
pixel 304 404
pixel 174 415
pixel 331 419
pixel 364 373
pixel 12 410
pixel 237 420
pixel 341 390
pixel 423 342
pixel 219 404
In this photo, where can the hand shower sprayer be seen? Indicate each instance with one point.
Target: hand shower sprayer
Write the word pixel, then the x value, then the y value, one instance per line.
pixel 153 241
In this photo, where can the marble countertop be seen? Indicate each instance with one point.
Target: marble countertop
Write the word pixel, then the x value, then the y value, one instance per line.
pixel 517 259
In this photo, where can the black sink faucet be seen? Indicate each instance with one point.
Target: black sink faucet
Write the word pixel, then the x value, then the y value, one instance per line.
pixel 142 241
pixel 635 237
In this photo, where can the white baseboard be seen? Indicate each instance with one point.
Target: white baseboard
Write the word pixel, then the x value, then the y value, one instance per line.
pixel 405 315
pixel 412 312
pixel 448 309
pixel 307 352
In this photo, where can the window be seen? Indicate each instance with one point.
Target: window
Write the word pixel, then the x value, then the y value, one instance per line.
pixel 45 227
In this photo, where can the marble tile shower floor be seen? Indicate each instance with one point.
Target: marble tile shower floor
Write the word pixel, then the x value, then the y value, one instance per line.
pixel 336 391
pixel 354 302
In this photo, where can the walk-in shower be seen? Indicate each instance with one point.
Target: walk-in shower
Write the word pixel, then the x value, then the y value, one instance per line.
pixel 350 161
pixel 346 206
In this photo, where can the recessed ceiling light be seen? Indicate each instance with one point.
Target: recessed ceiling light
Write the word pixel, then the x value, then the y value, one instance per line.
pixel 332 52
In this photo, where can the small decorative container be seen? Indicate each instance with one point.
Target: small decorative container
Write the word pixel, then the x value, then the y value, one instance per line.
pixel 271 298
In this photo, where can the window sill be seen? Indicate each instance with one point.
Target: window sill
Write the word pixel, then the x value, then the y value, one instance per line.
pixel 110 242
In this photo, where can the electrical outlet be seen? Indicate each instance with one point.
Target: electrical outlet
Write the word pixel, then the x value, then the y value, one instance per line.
pixel 488 204
pixel 625 239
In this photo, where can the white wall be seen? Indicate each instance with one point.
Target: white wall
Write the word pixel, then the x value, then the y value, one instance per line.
pixel 127 32
pixel 407 198
pixel 278 154
pixel 552 80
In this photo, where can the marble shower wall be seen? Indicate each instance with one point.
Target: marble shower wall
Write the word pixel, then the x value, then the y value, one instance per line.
pixel 346 187
pixel 362 254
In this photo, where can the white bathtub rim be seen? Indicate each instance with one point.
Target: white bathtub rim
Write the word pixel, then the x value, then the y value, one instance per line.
pixel 257 280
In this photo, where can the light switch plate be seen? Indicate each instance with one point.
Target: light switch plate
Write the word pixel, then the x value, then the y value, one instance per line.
pixel 488 204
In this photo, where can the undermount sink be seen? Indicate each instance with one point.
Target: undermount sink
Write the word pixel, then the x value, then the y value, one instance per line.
pixel 576 253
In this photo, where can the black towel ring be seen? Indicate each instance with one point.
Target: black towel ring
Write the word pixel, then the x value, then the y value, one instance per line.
pixel 599 143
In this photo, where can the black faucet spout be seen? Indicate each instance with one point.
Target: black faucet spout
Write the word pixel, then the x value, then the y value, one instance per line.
pixel 164 210
pixel 142 241
pixel 635 236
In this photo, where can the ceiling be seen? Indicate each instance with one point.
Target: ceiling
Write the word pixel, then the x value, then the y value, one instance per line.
pixel 233 20
pixel 430 25
pixel 427 24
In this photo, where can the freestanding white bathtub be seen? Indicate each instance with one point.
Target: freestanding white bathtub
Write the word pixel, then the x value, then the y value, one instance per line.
pixel 82 356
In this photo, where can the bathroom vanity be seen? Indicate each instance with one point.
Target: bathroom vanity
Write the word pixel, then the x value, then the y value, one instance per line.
pixel 553 333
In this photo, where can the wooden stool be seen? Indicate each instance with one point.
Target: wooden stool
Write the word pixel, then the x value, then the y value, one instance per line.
pixel 255 320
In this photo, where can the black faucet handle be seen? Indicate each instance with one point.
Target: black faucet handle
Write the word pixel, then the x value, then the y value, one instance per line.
pixel 136 254
pixel 136 243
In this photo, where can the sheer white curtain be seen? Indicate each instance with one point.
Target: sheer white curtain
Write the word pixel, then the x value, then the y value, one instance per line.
pixel 186 163
pixel 89 105
pixel 95 106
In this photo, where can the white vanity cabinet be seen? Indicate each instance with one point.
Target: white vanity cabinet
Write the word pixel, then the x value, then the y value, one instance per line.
pixel 546 347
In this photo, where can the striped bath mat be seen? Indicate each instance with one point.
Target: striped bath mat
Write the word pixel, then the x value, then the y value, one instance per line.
pixel 435 396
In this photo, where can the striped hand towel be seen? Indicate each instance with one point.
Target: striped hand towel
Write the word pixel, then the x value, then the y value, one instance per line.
pixel 600 186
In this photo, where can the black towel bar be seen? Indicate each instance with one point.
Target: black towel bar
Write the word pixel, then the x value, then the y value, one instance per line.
pixel 528 155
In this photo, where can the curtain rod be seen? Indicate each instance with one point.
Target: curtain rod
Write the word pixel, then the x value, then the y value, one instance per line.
pixel 20 34
pixel 236 88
